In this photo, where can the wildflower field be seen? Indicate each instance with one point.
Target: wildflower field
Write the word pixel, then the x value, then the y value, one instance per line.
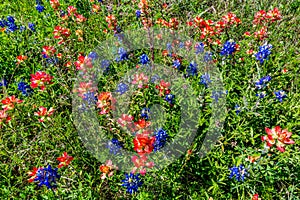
pixel 149 99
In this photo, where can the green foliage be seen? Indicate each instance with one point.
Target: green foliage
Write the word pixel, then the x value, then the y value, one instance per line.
pixel 25 142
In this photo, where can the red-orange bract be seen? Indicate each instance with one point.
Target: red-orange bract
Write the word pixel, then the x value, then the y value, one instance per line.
pixel 54 4
pixel 255 197
pixel 48 51
pixel 83 63
pixel 44 113
pixel 141 124
pixel 163 88
pixel 105 102
pixel 21 58
pixel 112 22
pixel 40 79
pixel 143 143
pixel 107 169
pixel 282 137
pixel 64 160
pixel 32 174
pixel 4 117
pixel 9 102
pixel 61 33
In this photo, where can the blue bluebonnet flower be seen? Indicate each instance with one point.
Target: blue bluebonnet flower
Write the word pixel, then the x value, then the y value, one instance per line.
pixel 261 95
pixel 40 8
pixel 199 48
pixel 207 57
pixel 6 23
pixel 160 139
pixel 169 48
pixel 11 27
pixel 122 88
pixel 263 53
pixel 31 26
pixel 176 64
pixel 93 55
pixel 205 79
pixel 239 172
pixel 261 83
pixel 280 95
pixel 105 65
pixel 114 146
pixel 47 176
pixel 90 98
pixel 229 47
pixel 192 69
pixel 119 30
pixel 3 83
pixel 10 19
pixel 2 23
pixel 62 13
pixel 83 108
pixel 132 182
pixel 52 61
pixel 216 95
pixel 24 88
pixel 138 13
pixel 181 45
pixel 154 78
pixel 22 28
pixel 145 113
pixel 266 79
pixel 144 59
pixel 122 55
pixel 237 109
pixel 170 98
pixel 120 36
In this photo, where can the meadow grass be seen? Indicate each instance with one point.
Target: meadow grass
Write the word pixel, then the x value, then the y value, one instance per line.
pixel 25 142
